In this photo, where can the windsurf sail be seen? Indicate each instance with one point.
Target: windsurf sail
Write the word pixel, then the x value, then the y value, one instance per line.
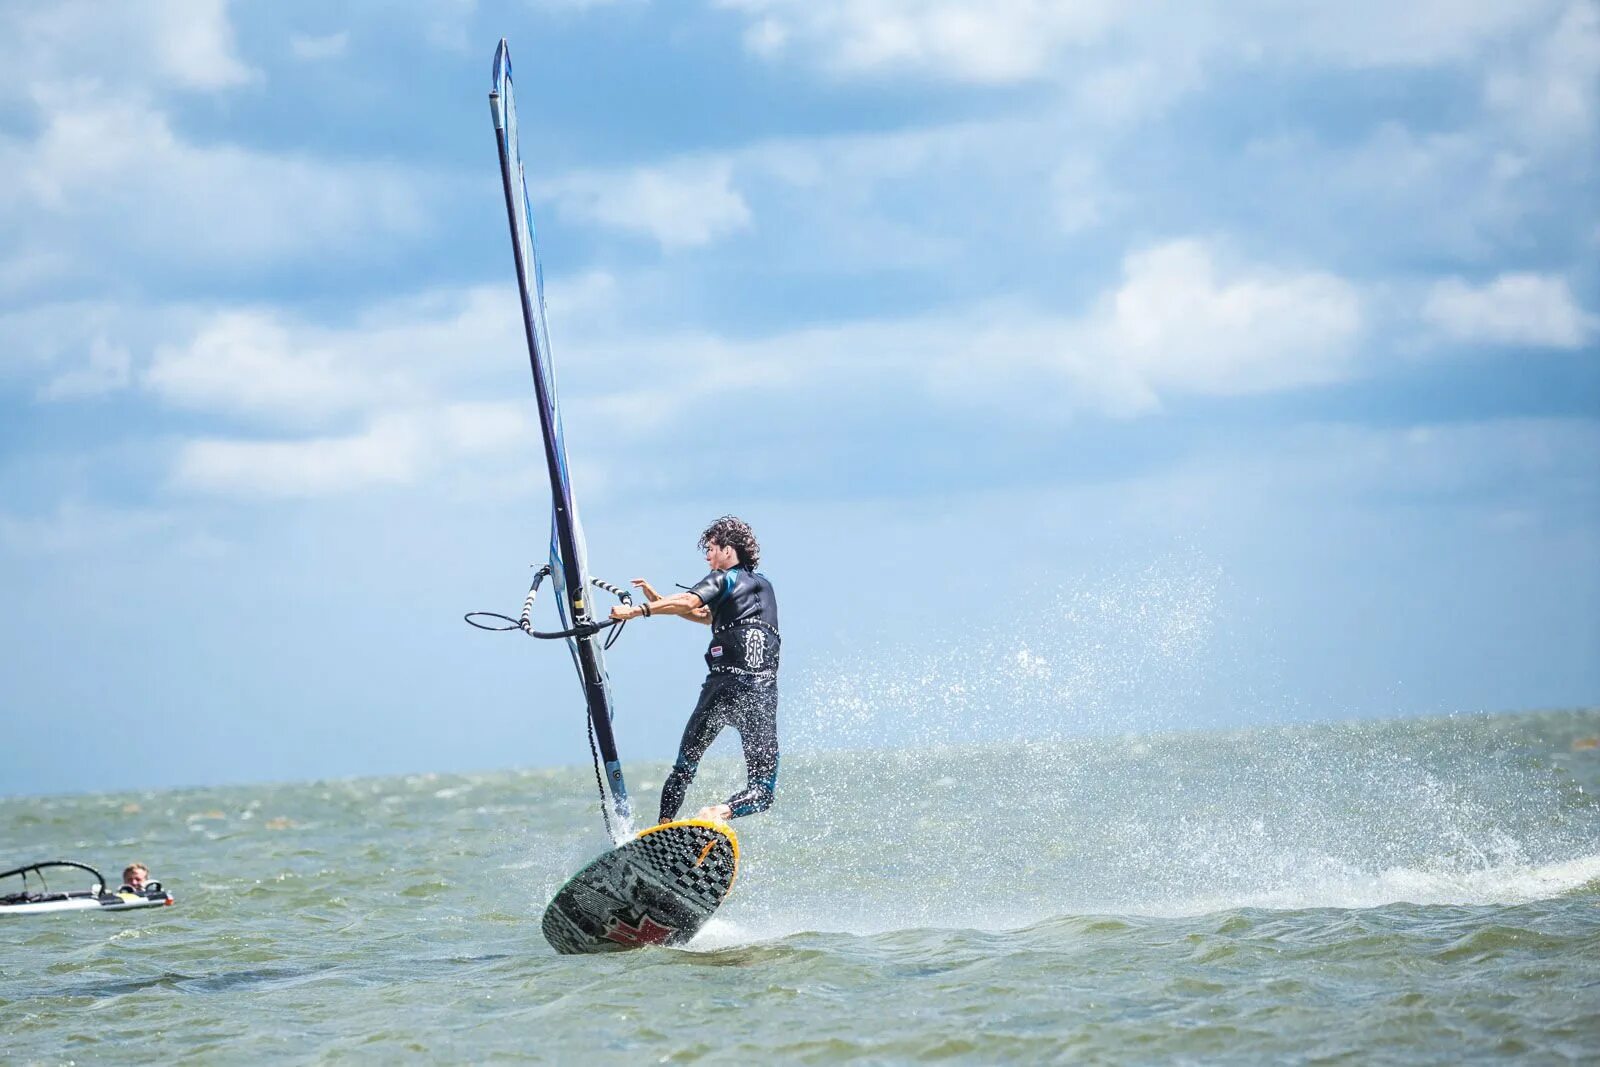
pixel 568 567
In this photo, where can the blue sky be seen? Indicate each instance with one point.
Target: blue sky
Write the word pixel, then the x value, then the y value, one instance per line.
pixel 1082 366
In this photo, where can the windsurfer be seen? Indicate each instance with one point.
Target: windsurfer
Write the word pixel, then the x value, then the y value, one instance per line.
pixel 741 688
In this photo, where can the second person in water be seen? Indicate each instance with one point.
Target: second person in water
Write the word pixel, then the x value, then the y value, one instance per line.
pixel 741 688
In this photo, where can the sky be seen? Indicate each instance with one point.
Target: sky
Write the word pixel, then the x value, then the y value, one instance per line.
pixel 1083 367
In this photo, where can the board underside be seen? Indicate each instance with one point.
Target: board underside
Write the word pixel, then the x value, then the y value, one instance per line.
pixel 658 889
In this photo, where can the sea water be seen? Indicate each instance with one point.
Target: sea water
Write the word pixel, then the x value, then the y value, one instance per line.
pixel 1376 892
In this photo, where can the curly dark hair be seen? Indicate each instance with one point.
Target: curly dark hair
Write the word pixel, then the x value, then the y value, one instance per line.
pixel 733 532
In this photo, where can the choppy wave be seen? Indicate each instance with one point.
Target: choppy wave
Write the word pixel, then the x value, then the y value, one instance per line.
pixel 1198 895
pixel 1337 886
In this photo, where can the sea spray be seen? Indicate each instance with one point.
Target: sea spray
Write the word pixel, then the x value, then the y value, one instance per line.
pixel 997 835
pixel 1124 652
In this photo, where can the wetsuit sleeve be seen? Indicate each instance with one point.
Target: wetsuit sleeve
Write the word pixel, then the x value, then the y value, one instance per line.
pixel 712 587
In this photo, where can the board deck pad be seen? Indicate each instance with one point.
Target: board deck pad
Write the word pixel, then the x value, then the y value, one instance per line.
pixel 657 889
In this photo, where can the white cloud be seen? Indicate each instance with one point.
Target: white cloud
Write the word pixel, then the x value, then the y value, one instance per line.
pixel 485 427
pixel 35 268
pixel 194 42
pixel 1460 184
pixel 1515 309
pixel 1458 194
pixel 424 379
pixel 558 6
pixel 1551 95
pixel 871 200
pixel 1374 33
pixel 395 448
pixel 1005 40
pixel 884 199
pixel 680 204
pixel 1180 322
pixel 387 453
pixel 581 297
pixel 75 528
pixel 250 362
pixel 1123 91
pixel 767 38
pixel 99 176
pixel 45 340
pixel 1128 45
pixel 109 369
pixel 273 367
pixel 115 175
pixel 278 370
pixel 1081 194
pixel 135 47
pixel 1183 319
pixel 311 48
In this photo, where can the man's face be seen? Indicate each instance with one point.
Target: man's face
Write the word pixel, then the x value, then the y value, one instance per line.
pixel 721 557
pixel 134 877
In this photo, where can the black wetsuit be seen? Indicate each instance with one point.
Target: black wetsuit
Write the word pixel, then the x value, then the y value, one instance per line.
pixel 741 690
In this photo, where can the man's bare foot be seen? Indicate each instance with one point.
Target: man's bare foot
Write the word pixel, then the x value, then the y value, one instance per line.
pixel 715 813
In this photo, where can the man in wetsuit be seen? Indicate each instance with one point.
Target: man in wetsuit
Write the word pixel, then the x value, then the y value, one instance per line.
pixel 741 689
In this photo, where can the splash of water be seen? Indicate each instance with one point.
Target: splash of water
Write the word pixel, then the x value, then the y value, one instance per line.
pixel 1123 651
pixel 988 787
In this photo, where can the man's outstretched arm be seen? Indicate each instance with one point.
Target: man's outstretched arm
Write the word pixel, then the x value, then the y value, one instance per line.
pixel 683 605
pixel 653 597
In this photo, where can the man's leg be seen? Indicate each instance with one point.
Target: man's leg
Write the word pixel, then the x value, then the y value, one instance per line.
pixel 705 722
pixel 757 721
